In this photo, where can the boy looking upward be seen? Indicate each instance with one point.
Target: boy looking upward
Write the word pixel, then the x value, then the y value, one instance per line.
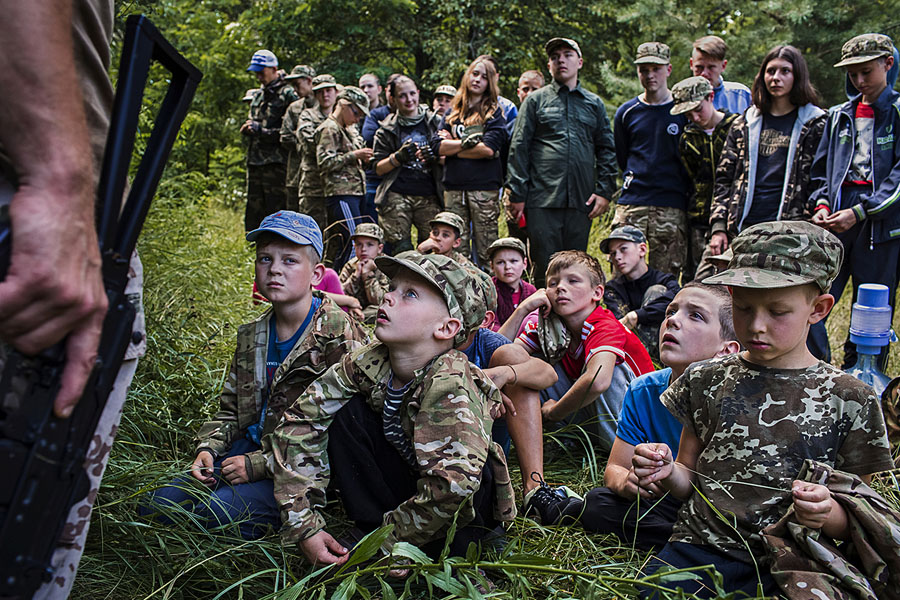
pixel 445 237
pixel 752 419
pixel 708 60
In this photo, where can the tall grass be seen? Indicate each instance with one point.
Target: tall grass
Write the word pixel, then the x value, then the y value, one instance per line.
pixel 198 274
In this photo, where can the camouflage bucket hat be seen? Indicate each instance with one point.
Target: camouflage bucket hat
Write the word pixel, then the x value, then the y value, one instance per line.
pixel 557 42
pixel 369 230
pixel 301 71
pixel 689 93
pixel 655 53
pixel 323 81
pixel 457 285
pixel 510 243
pixel 448 218
pixel 445 90
pixel 356 97
pixel 628 233
pixel 485 286
pixel 725 257
pixel 781 254
pixel 864 48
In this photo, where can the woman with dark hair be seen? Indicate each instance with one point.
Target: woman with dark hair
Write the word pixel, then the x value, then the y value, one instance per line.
pixel 763 174
pixel 471 137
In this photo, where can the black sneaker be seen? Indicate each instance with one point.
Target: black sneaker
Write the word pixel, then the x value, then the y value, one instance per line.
pixel 547 503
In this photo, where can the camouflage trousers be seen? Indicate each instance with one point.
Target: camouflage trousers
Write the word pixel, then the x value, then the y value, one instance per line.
pixel 698 266
pixel 292 198
pixel 315 207
pixel 397 213
pixel 265 193
pixel 481 210
pixel 666 231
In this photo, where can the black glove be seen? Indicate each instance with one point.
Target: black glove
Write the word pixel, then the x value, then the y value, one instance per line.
pixel 427 155
pixel 406 153
pixel 255 126
pixel 471 136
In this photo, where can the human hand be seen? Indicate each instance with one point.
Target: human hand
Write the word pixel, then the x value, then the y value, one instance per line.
pixel 363 154
pixel 601 205
pixel 365 267
pixel 514 210
pixel 652 463
pixel 427 247
pixel 537 301
pixel 322 549
pixel 630 320
pixel 234 469
pixel 426 155
pixel 820 216
pixel 840 221
pixel 472 136
pixel 812 503
pixel 406 153
pixel 202 468
pixel 548 412
pixel 445 135
pixel 718 243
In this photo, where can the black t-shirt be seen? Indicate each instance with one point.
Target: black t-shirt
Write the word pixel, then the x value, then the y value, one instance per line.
pixel 414 178
pixel 774 143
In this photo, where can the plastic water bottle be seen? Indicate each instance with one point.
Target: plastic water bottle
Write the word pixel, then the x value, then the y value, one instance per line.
pixel 870 330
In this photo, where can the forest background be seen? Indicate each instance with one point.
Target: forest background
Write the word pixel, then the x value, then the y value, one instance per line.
pixel 198 268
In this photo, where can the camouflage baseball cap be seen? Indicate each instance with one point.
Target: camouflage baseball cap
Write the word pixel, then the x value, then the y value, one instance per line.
pixel 369 230
pixel 629 233
pixel 301 71
pixel 448 218
pixel 556 43
pixel 457 285
pixel 781 254
pixel 293 226
pixel 689 93
pixel 864 48
pixel 250 94
pixel 655 53
pixel 445 90
pixel 356 97
pixel 323 81
pixel 507 242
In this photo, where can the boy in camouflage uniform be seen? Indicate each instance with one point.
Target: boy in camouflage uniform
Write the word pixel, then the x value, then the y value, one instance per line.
pixel 406 422
pixel 312 192
pixel 266 157
pixel 278 355
pixel 445 237
pixel 360 277
pixel 301 80
pixel 752 419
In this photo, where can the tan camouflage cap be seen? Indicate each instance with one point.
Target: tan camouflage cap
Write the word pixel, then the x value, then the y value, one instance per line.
pixel 507 242
pixel 250 94
pixel 655 53
pixel 448 218
pixel 781 254
pixel 355 96
pixel 445 90
pixel 458 286
pixel 323 81
pixel 369 230
pixel 689 93
pixel 864 48
pixel 558 42
pixel 301 71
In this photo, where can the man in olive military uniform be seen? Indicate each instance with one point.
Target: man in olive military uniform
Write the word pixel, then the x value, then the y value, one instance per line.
pixel 301 80
pixel 266 157
pixel 312 191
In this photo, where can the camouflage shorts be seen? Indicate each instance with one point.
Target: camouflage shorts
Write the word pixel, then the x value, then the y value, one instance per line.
pixel 666 231
pixel 480 209
pixel 397 213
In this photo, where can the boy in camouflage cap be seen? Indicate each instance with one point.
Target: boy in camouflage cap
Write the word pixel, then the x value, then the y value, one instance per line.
pixel 360 277
pixel 278 355
pixel 406 423
pixel 445 237
pixel 752 419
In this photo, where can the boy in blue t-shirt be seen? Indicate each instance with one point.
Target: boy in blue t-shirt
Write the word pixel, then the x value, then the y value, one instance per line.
pixel 697 326
pixel 298 338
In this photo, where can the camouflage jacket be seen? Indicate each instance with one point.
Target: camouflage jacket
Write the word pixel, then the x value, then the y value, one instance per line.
pixel 445 414
pixel 369 290
pixel 807 563
pixel 735 177
pixel 267 109
pixel 700 154
pixel 289 140
pixel 340 170
pixel 307 123
pixel 329 336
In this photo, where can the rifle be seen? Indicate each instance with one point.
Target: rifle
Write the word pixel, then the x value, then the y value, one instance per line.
pixel 41 455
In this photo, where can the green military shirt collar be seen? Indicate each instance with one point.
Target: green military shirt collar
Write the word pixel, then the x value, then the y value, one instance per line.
pixel 557 86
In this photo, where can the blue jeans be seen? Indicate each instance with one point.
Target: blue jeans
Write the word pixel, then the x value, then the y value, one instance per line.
pixel 251 504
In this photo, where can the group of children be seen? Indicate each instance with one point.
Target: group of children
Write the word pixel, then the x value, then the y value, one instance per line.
pixel 745 452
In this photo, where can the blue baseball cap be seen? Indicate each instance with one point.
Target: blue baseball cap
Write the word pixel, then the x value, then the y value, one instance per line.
pixel 293 226
pixel 262 59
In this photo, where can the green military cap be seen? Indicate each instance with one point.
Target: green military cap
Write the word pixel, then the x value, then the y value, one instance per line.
pixel 655 53
pixel 452 219
pixel 250 94
pixel 507 242
pixel 689 93
pixel 445 90
pixel 323 81
pixel 781 254
pixel 557 42
pixel 355 96
pixel 628 233
pixel 457 285
pixel 369 230
pixel 301 71
pixel 864 48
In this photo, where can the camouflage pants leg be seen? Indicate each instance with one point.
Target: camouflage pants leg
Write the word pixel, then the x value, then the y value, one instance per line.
pixel 292 199
pixel 315 207
pixel 698 240
pixel 265 193
pixel 666 231
pixel 481 210
pixel 397 213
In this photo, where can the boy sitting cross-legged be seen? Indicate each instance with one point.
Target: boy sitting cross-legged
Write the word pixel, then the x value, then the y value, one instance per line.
pixel 697 327
pixel 278 355
pixel 752 420
pixel 445 237
pixel 403 426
